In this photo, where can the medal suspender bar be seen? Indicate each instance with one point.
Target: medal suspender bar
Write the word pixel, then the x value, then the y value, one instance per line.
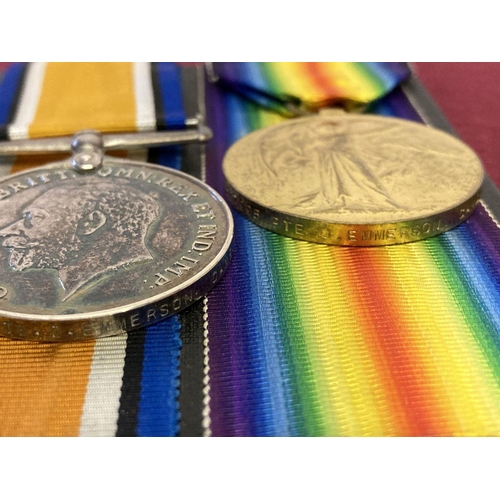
pixel 126 384
pixel 298 338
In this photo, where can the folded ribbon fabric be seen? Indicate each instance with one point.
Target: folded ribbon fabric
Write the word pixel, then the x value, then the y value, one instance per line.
pixel 298 338
pixel 313 85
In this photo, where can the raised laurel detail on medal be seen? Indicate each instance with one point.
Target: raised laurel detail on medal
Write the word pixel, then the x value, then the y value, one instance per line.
pixel 356 180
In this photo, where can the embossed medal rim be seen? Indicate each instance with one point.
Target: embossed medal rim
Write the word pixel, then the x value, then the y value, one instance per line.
pixel 158 298
pixel 278 213
pixel 310 235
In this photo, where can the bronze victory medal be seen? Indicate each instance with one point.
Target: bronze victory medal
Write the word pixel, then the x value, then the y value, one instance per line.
pixel 85 256
pixel 358 180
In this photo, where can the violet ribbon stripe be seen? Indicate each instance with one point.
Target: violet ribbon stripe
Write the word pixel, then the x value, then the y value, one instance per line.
pixel 472 250
pixel 251 360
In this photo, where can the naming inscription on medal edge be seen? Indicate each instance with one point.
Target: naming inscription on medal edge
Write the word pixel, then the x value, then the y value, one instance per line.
pixel 350 179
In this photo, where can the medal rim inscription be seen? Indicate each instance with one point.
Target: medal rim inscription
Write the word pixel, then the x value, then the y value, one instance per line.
pixel 278 219
pixel 123 318
pixel 292 226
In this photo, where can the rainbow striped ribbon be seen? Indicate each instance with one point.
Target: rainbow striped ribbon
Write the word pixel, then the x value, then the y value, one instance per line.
pixel 303 339
pixel 316 85
pixel 308 339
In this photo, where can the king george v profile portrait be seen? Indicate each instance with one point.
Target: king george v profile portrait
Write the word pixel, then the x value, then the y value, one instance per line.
pixel 96 226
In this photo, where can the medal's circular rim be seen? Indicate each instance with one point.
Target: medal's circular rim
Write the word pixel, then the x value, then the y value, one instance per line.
pixel 352 235
pixel 91 318
pixel 317 230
